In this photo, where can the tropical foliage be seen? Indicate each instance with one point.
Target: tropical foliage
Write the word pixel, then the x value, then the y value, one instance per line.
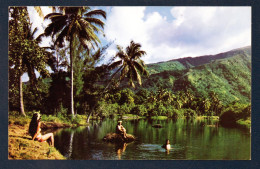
pixel 218 85
pixel 25 54
pixel 72 23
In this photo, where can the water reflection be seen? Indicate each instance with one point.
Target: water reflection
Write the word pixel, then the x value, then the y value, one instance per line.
pixel 120 149
pixel 190 139
pixel 70 145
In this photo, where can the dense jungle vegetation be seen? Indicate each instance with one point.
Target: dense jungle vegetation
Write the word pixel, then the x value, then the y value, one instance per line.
pixel 80 83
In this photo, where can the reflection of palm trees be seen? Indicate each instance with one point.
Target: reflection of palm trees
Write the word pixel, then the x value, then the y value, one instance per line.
pixel 120 149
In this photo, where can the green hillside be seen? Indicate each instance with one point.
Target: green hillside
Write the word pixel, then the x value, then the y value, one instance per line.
pixel 228 75
pixel 189 62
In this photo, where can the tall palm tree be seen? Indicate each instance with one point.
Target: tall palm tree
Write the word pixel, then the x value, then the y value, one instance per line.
pixel 75 22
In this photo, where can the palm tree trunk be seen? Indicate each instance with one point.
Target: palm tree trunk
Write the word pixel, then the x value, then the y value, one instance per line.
pixel 21 89
pixel 71 75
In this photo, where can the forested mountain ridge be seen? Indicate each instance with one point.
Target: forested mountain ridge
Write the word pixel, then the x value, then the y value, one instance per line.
pixel 189 62
pixel 227 74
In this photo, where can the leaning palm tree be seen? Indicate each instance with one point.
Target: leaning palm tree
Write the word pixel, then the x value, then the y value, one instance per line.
pixel 75 22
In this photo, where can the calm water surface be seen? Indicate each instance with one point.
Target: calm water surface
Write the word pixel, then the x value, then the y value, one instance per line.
pixel 190 139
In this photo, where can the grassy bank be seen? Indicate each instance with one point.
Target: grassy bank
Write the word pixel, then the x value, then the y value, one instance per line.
pixel 21 145
pixel 49 121
pixel 243 122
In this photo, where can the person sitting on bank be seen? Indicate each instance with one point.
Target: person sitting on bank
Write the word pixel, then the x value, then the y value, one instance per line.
pixel 35 130
pixel 120 129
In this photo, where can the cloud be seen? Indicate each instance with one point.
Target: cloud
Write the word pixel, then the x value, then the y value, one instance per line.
pixel 124 24
pixel 40 23
pixel 193 31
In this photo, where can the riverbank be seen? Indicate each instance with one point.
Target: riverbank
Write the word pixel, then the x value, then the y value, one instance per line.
pixel 21 145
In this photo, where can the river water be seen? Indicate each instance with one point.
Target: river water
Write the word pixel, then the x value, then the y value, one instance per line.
pixel 190 140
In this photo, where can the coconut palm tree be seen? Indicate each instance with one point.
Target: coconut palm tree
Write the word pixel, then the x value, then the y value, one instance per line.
pixel 130 65
pixel 75 22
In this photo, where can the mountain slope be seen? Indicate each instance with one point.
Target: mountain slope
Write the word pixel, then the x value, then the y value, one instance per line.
pixel 189 62
pixel 227 74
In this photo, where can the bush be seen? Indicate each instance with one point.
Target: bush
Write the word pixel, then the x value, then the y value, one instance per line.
pixel 234 113
pixel 79 119
pixel 139 110
pixel 189 113
pixel 51 118
pixel 178 113
pixel 106 110
pixel 126 108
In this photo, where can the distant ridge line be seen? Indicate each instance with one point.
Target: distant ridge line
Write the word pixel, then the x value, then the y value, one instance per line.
pixel 189 58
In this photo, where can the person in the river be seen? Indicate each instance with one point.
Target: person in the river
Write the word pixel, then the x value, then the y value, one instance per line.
pixel 120 129
pixel 167 145
pixel 35 130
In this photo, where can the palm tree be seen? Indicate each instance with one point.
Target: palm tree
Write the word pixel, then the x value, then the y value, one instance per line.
pixel 75 22
pixel 130 65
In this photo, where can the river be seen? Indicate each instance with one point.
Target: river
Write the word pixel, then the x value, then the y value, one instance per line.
pixel 190 140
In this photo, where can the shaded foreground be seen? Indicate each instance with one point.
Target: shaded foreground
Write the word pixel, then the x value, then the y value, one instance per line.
pixel 21 145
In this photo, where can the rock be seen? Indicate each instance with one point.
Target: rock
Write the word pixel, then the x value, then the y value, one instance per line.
pixel 117 138
pixel 157 126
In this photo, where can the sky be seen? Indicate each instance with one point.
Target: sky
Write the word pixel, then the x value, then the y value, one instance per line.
pixel 169 32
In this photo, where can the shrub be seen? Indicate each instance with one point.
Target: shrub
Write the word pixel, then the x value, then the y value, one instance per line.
pixel 106 110
pixel 139 110
pixel 126 108
pixel 178 113
pixel 235 112
pixel 189 113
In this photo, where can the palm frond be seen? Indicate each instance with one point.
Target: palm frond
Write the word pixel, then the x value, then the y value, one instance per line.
pixel 34 31
pixel 39 11
pixel 115 65
pixel 136 75
pixel 52 15
pixel 138 54
pixel 88 32
pixel 95 21
pixel 138 66
pixel 60 39
pixel 55 27
pixel 124 72
pixel 132 83
pixel 121 55
pixel 39 38
pixel 96 13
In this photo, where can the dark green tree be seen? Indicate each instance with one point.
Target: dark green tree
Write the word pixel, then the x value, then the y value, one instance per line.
pixel 25 54
pixel 75 22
